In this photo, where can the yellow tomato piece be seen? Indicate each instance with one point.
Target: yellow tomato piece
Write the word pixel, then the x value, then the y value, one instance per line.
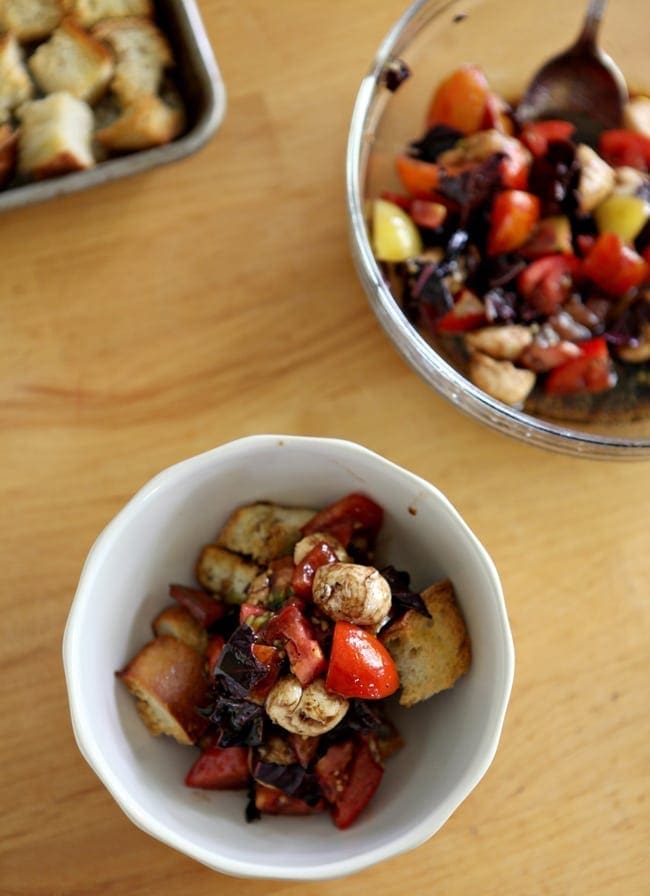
pixel 622 215
pixel 394 235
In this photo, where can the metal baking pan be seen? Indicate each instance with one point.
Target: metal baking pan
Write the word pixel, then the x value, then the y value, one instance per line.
pixel 204 98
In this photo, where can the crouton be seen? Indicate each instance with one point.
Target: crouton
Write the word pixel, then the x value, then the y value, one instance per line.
pixel 505 343
pixel 179 623
pixel 73 61
pixel 8 152
pixel 168 681
pixel 147 122
pixel 225 573
pixel 15 84
pixel 141 56
pixel 596 179
pixel 264 531
pixel 430 654
pixel 56 136
pixel 89 12
pixel 30 19
pixel 501 379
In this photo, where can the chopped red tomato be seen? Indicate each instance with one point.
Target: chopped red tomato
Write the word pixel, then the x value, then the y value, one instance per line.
pixel 306 658
pixel 364 776
pixel 460 100
pixel 512 220
pixel 269 657
pixel 220 768
pixel 515 166
pixel 468 312
pixel 303 575
pixel 272 801
pixel 213 652
pixel 614 266
pixel 419 179
pixel 332 769
pixel 360 665
pixel 537 135
pixel 203 607
pixel 546 282
pixel 427 214
pixel 625 148
pixel 353 514
pixel 591 372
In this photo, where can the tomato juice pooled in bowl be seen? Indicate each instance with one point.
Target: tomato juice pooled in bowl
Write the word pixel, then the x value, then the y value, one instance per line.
pixel 279 665
pixel 523 255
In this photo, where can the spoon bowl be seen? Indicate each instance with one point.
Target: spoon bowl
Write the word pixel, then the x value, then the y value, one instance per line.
pixel 582 85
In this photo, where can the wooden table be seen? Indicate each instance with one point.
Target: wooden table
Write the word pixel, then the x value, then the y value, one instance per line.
pixel 149 320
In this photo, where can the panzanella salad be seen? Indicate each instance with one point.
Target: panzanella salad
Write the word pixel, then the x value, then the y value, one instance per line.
pixel 278 667
pixel 524 254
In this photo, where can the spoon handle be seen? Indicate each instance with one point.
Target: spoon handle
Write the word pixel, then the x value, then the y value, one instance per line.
pixel 592 22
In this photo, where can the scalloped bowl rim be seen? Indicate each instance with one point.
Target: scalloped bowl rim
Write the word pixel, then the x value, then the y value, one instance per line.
pixel 92 751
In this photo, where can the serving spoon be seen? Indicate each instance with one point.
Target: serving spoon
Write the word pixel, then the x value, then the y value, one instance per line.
pixel 582 85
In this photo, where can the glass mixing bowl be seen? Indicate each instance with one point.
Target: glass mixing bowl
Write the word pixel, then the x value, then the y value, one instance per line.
pixel 509 40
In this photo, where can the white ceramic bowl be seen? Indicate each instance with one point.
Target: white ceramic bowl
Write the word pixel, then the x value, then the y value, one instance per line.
pixel 450 739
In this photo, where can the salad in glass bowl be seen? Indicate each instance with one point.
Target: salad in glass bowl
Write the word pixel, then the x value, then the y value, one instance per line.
pixel 524 253
pixel 439 171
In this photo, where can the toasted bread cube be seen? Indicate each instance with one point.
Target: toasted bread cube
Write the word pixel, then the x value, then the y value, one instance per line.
pixel 56 136
pixel 30 19
pixel 89 12
pixel 501 379
pixel 147 122
pixel 15 84
pixel 141 56
pixel 224 573
pixel 8 152
pixel 430 654
pixel 179 623
pixel 73 61
pixel 168 681
pixel 264 531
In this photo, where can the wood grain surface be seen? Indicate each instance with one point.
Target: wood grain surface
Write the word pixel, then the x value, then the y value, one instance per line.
pixel 148 320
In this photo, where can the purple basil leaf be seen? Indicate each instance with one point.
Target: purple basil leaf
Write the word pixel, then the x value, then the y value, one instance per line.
pixel 361 716
pixel 475 186
pixel 403 597
pixel 431 289
pixel 503 269
pixel 628 328
pixel 292 779
pixel 239 723
pixel 437 139
pixel 553 177
pixel 238 664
